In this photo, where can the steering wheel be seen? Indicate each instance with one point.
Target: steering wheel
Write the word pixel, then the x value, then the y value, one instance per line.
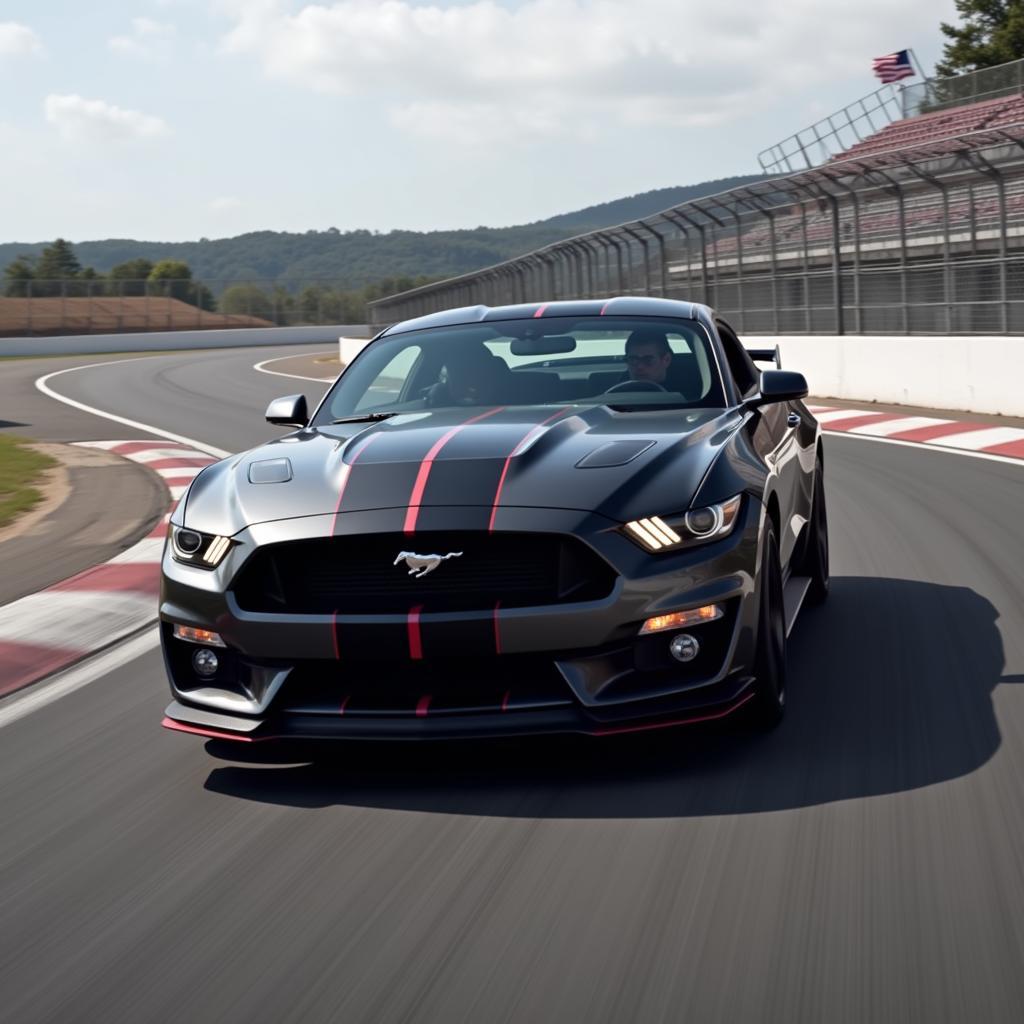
pixel 635 385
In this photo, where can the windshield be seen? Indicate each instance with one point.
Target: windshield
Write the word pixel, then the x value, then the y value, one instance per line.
pixel 629 363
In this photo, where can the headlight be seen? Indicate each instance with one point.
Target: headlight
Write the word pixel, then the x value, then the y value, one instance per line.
pixel 686 530
pixel 199 549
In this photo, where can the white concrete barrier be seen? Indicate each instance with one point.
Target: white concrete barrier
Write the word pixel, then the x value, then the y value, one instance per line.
pixel 970 374
pixel 158 341
pixel 349 348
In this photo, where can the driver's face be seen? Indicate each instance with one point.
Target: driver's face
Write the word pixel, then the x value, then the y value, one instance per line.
pixel 647 361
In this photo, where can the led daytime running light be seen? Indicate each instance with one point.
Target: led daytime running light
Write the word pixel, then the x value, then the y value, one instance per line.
pixel 217 550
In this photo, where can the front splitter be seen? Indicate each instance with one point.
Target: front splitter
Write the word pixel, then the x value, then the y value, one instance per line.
pixel 181 718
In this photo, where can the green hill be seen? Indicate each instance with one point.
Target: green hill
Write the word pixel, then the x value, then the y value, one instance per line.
pixel 352 259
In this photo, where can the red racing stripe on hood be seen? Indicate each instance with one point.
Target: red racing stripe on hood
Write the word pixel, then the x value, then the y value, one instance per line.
pixel 346 470
pixel 523 442
pixel 415 499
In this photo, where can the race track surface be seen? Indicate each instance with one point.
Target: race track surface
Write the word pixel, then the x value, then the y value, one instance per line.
pixel 865 862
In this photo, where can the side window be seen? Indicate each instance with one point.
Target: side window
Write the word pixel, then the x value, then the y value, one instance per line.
pixel 690 373
pixel 388 385
pixel 740 364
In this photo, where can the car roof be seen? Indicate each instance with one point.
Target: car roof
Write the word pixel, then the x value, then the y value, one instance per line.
pixel 623 305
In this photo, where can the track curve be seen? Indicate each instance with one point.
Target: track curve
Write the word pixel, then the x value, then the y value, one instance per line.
pixel 861 863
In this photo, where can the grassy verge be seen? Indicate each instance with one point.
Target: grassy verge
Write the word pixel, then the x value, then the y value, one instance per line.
pixel 20 468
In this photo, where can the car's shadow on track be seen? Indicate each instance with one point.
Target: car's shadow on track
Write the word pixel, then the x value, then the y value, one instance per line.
pixel 890 689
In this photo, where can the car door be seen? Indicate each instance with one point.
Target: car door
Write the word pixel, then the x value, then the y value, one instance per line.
pixel 775 435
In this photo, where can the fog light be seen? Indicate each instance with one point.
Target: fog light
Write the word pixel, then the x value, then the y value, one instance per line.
pixel 205 662
pixel 679 620
pixel 198 636
pixel 683 647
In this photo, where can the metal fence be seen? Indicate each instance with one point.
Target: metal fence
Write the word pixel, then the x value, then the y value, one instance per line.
pixel 973 87
pixel 835 133
pixel 923 240
pixel 87 305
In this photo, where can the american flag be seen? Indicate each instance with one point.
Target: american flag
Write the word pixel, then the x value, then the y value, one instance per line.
pixel 893 66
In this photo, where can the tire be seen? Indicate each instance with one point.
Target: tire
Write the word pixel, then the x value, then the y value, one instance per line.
pixel 769 702
pixel 814 556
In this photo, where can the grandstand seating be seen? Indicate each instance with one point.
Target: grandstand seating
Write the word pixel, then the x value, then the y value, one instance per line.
pixel 879 220
pixel 934 127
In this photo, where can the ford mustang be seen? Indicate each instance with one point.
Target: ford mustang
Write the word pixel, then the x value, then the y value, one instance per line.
pixel 591 517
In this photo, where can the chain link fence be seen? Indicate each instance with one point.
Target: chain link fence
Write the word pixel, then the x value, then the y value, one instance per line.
pixel 97 305
pixel 924 240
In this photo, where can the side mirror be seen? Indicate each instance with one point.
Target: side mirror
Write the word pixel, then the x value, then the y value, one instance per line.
pixel 779 386
pixel 289 411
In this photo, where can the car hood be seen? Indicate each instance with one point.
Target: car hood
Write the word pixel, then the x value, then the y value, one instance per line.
pixel 621 465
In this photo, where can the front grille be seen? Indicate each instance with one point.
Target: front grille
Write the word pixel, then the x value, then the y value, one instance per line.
pixel 357 575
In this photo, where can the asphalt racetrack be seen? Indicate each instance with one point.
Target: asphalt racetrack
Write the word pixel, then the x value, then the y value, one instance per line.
pixel 865 862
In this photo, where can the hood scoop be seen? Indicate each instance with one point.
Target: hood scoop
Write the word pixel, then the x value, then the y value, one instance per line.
pixel 270 471
pixel 615 453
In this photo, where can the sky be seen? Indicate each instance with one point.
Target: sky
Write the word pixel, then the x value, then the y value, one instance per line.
pixel 179 119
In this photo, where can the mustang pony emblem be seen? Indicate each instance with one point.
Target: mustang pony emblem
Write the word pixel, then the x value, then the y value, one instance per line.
pixel 420 565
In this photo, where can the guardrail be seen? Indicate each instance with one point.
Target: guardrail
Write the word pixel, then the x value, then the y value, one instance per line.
pixel 156 341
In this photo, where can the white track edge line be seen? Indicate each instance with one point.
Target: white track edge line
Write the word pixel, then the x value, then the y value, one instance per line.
pixel 1008 460
pixel 44 387
pixel 38 695
pixel 259 367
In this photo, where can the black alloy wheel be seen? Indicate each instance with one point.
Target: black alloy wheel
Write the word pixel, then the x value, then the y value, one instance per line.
pixel 769 702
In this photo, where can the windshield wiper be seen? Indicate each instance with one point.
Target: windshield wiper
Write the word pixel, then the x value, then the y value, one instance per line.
pixel 366 417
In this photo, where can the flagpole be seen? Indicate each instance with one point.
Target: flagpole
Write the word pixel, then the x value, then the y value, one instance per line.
pixel 924 82
pixel 917 64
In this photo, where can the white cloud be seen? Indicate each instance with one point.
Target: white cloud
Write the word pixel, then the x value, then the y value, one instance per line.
pixel 82 120
pixel 558 67
pixel 148 38
pixel 17 40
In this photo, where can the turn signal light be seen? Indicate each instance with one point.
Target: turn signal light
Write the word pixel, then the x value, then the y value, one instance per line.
pixel 680 620
pixel 198 636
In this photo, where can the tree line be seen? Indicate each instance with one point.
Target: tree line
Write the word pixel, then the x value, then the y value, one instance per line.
pixel 352 260
pixel 58 271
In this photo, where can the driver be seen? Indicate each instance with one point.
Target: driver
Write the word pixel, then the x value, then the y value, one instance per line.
pixel 648 355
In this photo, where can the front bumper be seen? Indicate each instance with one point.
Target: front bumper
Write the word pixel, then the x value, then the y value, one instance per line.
pixel 567 668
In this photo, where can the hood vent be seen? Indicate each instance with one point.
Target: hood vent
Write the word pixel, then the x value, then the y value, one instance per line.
pixel 615 453
pixel 270 471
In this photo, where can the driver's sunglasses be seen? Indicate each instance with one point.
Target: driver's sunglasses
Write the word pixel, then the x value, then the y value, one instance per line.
pixel 641 360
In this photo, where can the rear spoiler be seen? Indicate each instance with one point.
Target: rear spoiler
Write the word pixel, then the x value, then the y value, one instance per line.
pixel 766 355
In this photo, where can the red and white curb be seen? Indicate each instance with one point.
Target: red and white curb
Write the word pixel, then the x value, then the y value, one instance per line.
pixel 961 435
pixel 47 631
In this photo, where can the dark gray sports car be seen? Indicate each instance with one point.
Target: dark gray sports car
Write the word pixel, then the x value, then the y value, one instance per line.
pixel 591 517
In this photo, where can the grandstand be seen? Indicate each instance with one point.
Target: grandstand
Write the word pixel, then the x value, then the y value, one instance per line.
pixel 909 220
pixel 939 126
